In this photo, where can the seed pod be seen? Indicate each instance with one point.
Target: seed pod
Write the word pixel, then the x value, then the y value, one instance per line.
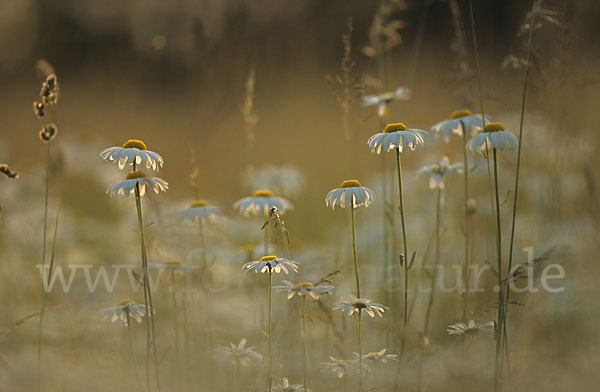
pixel 48 133
pixel 39 109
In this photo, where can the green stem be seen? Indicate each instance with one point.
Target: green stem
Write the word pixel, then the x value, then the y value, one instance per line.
pixel 435 262
pixel 516 192
pixel 137 376
pixel 466 275
pixel 304 357
pixel 404 250
pixel 269 379
pixel 203 243
pixel 266 234
pixel 354 254
pixel 151 337
pixel 284 237
pixel 175 318
pixel 500 323
pixel 359 342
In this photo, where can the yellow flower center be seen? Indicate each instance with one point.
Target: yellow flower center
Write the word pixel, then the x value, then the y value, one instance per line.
pixel 494 127
pixel 436 169
pixel 350 184
pixel 172 262
pixel 125 302
pixel 133 143
pixel 199 203
pixel 263 193
pixel 304 284
pixel 394 128
pixel 460 113
pixel 135 174
pixel 268 258
pixel 345 360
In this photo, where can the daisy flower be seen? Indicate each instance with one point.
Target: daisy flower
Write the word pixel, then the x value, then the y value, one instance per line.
pixel 127 186
pixel 496 137
pixel 171 266
pixel 350 190
pixel 340 366
pixel 396 136
pixel 470 329
pixel 380 356
pixel 261 203
pixel 119 312
pixel 201 211
pixel 286 387
pixel 384 99
pixel 271 264
pixel 133 151
pixel 438 171
pixel 471 122
pixel 353 304
pixel 304 289
pixel 240 352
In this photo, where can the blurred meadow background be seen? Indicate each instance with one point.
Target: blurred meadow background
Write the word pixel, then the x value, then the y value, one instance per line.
pixel 245 95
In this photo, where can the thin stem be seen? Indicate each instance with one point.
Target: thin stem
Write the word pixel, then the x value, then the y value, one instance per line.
pixel 477 60
pixel 500 323
pixel 175 318
pixel 40 333
pixel 269 379
pixel 466 274
pixel 304 359
pixel 359 342
pixel 435 262
pixel 354 254
pixel 516 192
pixel 151 337
pixel 137 376
pixel 284 237
pixel 404 250
pixel 203 243
pixel 266 234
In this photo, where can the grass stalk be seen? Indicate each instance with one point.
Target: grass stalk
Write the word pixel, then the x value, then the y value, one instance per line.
pixel 499 332
pixel 436 261
pixel 304 357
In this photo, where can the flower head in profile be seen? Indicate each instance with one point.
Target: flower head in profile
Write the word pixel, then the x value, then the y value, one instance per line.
pixel 271 264
pixel 124 307
pixel 494 135
pixel 201 211
pixel 340 366
pixel 380 356
pixel 469 329
pixel 350 191
pixel 171 266
pixel 439 171
pixel 127 186
pixel 383 99
pixel 305 288
pixel 133 151
pixel 285 386
pixel 261 203
pixel 471 122
pixel 240 352
pixel 353 304
pixel 396 136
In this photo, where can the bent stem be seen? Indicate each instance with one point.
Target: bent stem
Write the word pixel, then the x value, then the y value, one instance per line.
pixel 137 376
pixel 151 332
pixel 304 359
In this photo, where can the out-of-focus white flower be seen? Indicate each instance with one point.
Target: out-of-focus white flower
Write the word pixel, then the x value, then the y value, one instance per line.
pixel 353 304
pixel 438 171
pixel 350 191
pixel 383 99
pixel 285 386
pixel 124 307
pixel 470 329
pixel 201 211
pixel 472 123
pixel 127 186
pixel 240 352
pixel 271 264
pixel 396 136
pixel 380 356
pixel 304 288
pixel 340 366
pixel 496 137
pixel 286 180
pixel 133 151
pixel 261 203
pixel 171 266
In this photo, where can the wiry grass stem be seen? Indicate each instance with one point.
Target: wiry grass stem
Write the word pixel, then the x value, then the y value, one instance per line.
pixel 304 356
pixel 436 261
pixel 499 332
